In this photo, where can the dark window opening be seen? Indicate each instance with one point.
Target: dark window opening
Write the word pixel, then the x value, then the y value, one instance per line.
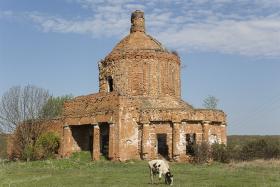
pixel 110 84
pixel 190 143
pixel 162 145
pixel 104 139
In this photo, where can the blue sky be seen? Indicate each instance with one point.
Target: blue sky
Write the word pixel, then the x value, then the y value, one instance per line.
pixel 229 49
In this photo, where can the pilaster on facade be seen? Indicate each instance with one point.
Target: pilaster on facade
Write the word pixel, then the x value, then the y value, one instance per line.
pixel 111 154
pixel 224 133
pixel 176 140
pixel 145 141
pixel 205 129
pixel 67 141
pixel 96 142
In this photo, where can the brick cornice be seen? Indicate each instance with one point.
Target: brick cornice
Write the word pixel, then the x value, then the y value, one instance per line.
pixel 141 54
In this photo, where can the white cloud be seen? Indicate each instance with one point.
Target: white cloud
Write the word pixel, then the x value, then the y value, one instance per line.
pixel 97 27
pixel 252 37
pixel 246 27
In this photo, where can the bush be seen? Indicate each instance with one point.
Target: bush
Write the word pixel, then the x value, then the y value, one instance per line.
pixel 28 153
pixel 202 153
pixel 234 152
pixel 47 145
pixel 220 153
pixel 22 141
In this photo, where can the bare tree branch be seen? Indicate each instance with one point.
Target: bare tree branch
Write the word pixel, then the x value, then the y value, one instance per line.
pixel 19 105
pixel 210 102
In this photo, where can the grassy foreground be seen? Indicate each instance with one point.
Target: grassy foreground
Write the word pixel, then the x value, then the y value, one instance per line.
pixel 79 171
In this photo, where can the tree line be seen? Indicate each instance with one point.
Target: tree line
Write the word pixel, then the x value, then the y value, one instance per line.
pixel 241 148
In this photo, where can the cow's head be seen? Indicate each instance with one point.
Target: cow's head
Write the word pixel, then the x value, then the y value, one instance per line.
pixel 169 178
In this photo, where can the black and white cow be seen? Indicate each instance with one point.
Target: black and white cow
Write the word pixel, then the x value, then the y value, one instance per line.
pixel 160 167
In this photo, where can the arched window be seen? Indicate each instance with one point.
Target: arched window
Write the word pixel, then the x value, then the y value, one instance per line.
pixel 110 84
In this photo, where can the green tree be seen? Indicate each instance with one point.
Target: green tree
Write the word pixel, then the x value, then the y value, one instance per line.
pixel 54 106
pixel 210 102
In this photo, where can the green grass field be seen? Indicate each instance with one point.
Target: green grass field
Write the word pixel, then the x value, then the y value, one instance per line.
pixel 80 171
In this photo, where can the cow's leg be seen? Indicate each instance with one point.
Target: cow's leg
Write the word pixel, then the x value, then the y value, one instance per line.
pixel 165 179
pixel 159 175
pixel 152 176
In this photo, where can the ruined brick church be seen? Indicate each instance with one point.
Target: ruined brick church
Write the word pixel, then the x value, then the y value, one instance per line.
pixel 138 112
